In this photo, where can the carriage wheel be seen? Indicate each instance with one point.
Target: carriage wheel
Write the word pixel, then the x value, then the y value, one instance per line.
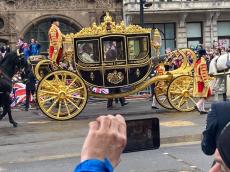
pixel 161 94
pixel 62 95
pixel 38 72
pixel 180 94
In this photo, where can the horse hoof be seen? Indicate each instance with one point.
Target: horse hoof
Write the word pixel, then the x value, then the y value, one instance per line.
pixel 15 124
pixel 1 117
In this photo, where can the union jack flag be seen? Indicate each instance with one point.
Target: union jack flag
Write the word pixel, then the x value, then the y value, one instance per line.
pixel 18 94
pixel 100 90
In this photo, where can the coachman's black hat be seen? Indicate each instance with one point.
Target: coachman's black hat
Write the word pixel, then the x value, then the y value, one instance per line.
pixel 53 19
pixel 201 52
pixel 223 145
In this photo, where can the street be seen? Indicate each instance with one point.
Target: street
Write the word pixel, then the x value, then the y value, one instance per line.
pixel 41 144
pixel 171 159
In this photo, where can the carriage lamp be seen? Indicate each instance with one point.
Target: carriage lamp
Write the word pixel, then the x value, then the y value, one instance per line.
pixel 156 43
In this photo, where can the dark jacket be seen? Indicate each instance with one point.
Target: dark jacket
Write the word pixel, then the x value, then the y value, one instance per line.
pixel 29 79
pixel 217 118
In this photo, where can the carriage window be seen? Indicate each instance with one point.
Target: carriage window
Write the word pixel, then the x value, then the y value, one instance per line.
pixel 88 51
pixel 113 49
pixel 137 47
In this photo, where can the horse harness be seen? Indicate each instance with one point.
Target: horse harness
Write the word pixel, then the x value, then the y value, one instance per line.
pixel 225 70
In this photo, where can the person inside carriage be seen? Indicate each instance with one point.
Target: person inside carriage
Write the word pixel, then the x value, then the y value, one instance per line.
pixel 87 53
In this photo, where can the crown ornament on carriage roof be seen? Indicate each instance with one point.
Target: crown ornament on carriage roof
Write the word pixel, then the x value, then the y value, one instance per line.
pixel 107 27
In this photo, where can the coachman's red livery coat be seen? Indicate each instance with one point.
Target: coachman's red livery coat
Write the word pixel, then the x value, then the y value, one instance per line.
pixel 201 79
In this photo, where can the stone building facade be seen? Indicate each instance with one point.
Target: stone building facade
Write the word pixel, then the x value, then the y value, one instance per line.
pixel 184 23
pixel 31 18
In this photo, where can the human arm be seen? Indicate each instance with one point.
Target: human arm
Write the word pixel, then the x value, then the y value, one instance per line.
pixel 208 143
pixel 103 145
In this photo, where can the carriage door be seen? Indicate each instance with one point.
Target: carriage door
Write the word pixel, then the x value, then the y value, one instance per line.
pixel 114 61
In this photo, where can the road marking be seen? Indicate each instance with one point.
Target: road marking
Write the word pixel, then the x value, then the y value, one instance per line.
pixel 177 123
pixel 179 144
pixel 45 158
pixel 38 122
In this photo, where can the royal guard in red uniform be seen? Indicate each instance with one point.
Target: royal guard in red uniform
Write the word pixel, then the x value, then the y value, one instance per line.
pixel 201 81
pixel 56 38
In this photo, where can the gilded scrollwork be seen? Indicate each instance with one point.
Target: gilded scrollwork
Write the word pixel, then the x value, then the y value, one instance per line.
pixel 109 26
pixel 115 77
pixel 49 4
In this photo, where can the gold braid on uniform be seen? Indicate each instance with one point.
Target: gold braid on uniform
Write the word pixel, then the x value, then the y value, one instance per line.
pixel 203 71
pixel 54 43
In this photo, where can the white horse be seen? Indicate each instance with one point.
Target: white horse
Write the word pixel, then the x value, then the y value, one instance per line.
pixel 218 67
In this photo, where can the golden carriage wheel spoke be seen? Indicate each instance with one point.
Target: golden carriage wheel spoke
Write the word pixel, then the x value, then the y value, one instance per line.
pixel 56 76
pixel 48 92
pixel 76 97
pixel 177 86
pixel 192 100
pixel 69 100
pixel 50 98
pixel 51 85
pixel 75 79
pixel 175 92
pixel 180 102
pixel 75 90
pixel 189 85
pixel 59 108
pixel 52 106
pixel 67 108
pixel 64 78
pixel 173 100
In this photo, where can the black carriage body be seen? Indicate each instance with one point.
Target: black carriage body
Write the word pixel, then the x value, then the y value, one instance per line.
pixel 114 60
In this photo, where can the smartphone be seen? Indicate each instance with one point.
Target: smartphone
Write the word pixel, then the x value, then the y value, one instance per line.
pixel 142 134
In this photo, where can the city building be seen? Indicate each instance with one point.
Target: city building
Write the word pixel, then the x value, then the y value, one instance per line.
pixel 31 18
pixel 184 23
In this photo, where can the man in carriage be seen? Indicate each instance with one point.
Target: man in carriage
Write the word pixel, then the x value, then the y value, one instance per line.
pixel 201 81
pixel 56 39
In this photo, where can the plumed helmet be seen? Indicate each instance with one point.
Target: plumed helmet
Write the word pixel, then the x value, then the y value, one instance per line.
pixel 53 19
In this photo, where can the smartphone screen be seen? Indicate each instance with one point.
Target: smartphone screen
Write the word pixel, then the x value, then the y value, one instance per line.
pixel 142 134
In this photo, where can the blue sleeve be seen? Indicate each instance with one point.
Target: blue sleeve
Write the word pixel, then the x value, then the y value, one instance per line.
pixel 94 165
pixel 208 143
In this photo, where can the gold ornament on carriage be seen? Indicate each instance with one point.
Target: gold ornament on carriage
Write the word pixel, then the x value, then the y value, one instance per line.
pixel 115 77
pixel 109 26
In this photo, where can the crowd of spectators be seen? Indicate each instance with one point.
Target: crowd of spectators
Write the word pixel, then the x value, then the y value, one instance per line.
pixel 29 49
pixel 211 52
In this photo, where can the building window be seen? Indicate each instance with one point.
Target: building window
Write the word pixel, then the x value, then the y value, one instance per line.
pixel 168 35
pixel 1 23
pixel 223 33
pixel 194 34
pixel 40 30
